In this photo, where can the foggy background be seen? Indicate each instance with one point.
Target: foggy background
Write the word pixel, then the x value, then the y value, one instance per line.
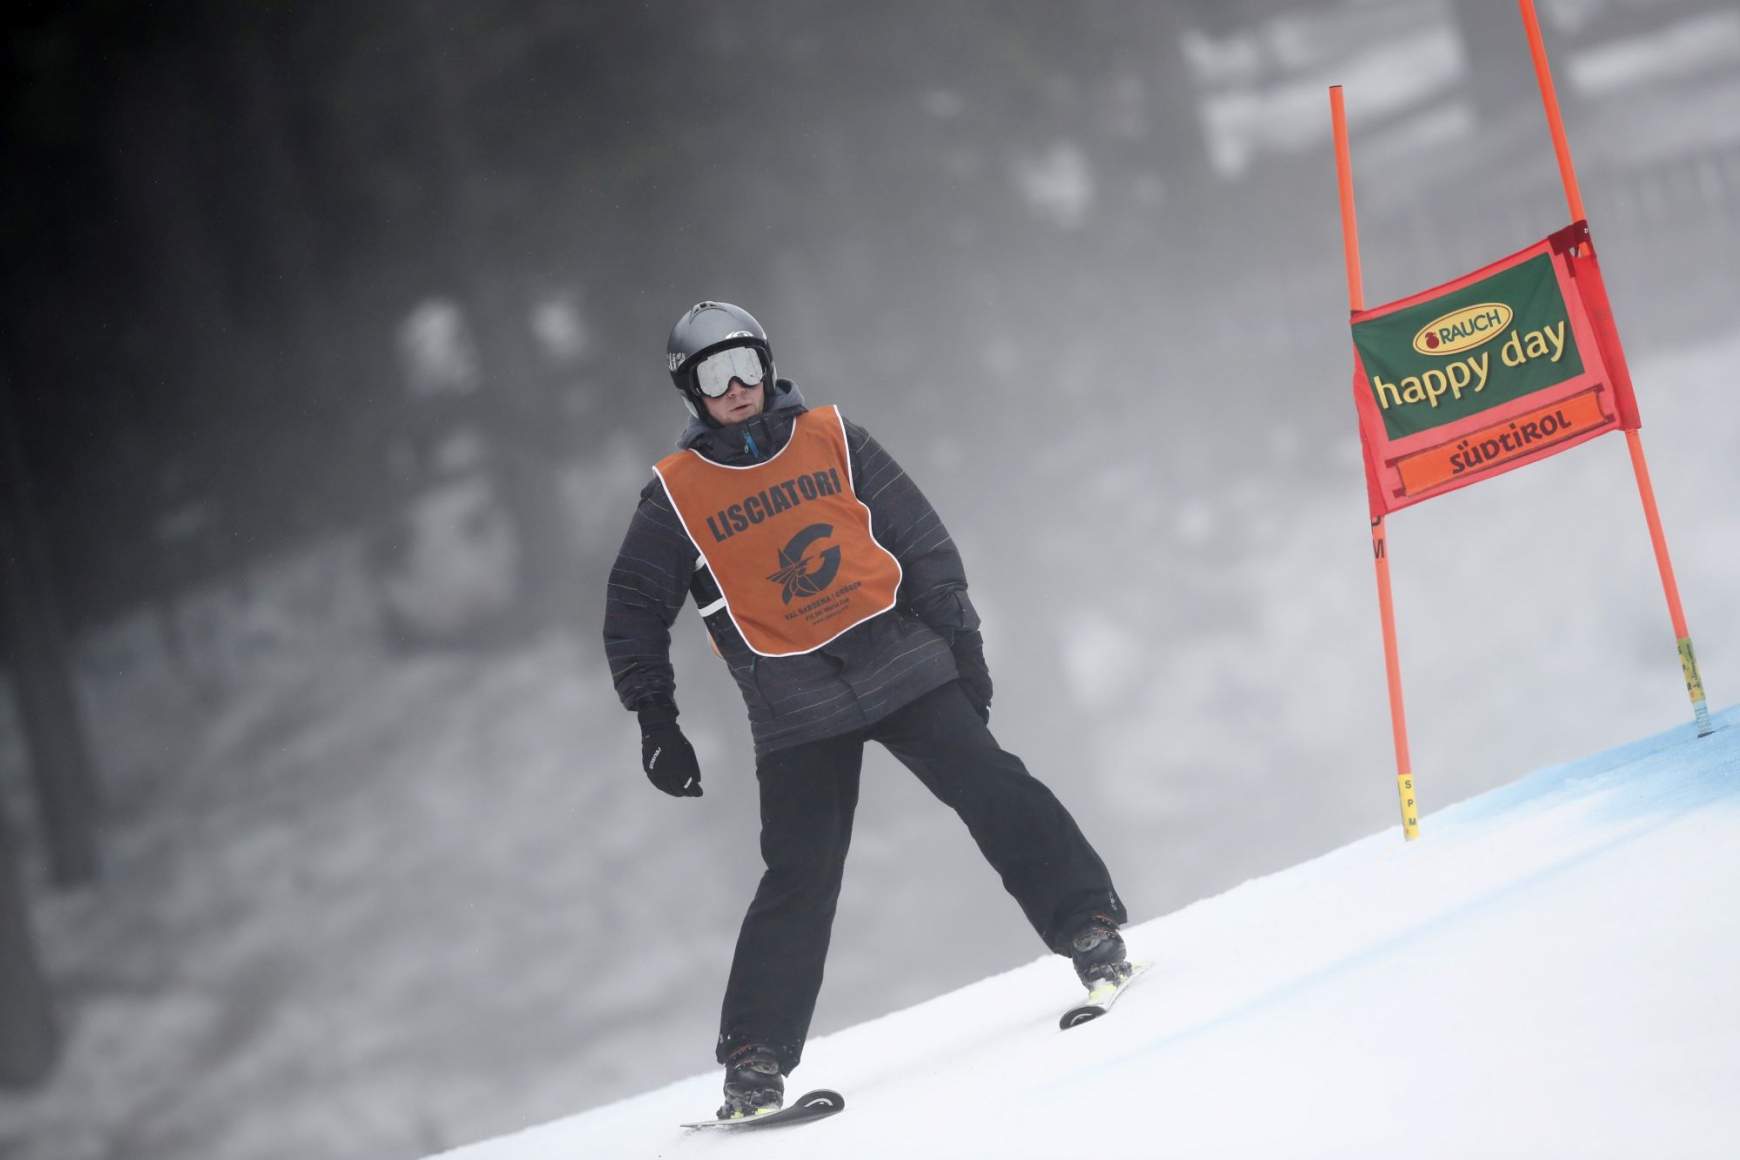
pixel 333 363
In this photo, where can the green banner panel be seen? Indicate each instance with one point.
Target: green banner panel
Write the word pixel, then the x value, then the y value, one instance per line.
pixel 1469 350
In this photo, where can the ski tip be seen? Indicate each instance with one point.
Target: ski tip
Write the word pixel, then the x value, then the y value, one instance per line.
pixel 1076 1016
pixel 822 1099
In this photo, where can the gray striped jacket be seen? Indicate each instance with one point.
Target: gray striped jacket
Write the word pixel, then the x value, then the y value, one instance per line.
pixel 853 681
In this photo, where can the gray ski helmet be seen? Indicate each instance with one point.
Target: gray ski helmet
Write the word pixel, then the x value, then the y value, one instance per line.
pixel 704 328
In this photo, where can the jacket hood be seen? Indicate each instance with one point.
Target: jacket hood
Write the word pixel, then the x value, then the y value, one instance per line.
pixel 786 397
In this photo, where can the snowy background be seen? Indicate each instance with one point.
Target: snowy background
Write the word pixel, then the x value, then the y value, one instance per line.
pixel 337 350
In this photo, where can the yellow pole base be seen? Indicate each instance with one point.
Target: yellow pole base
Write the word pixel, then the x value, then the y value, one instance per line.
pixel 1410 811
pixel 1695 687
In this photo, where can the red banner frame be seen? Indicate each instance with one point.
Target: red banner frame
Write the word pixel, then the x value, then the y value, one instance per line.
pixel 1407 470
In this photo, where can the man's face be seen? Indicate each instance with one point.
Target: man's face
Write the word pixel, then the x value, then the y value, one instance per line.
pixel 737 404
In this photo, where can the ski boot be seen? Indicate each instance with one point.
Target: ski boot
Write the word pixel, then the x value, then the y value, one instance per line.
pixel 1097 950
pixel 753 1085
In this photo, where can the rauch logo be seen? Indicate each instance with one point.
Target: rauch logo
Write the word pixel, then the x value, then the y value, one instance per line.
pixel 1463 329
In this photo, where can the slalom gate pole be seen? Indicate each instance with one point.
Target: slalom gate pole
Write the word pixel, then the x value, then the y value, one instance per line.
pixel 1379 544
pixel 1633 442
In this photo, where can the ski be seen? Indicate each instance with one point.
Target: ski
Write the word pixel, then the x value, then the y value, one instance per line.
pixel 809 1106
pixel 1100 1000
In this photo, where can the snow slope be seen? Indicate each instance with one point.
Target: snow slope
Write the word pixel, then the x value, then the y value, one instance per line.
pixel 1547 972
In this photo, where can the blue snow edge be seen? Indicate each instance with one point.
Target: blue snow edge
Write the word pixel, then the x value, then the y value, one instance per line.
pixel 1670 772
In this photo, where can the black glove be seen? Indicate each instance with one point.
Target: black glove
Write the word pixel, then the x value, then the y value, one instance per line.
pixel 969 649
pixel 666 755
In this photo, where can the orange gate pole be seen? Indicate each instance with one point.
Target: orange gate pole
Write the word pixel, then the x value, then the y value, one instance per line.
pixel 1634 443
pixel 1379 544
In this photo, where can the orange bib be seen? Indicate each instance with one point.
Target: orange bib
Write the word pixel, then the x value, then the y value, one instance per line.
pixel 787 540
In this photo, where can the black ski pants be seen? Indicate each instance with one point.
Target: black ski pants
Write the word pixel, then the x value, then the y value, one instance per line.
pixel 808 795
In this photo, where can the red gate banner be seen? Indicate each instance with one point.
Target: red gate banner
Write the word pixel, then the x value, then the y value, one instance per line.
pixel 1512 363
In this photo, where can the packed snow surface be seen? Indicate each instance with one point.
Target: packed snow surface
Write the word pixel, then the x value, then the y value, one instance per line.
pixel 1546 972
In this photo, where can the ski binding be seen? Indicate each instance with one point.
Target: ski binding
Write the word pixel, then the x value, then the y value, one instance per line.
pixel 809 1106
pixel 1100 1000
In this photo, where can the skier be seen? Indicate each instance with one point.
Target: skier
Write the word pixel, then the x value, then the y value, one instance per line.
pixel 837 599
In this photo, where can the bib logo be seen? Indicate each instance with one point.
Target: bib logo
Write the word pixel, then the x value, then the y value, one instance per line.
pixel 802 575
pixel 1463 329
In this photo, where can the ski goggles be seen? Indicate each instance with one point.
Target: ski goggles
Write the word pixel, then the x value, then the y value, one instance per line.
pixel 714 373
